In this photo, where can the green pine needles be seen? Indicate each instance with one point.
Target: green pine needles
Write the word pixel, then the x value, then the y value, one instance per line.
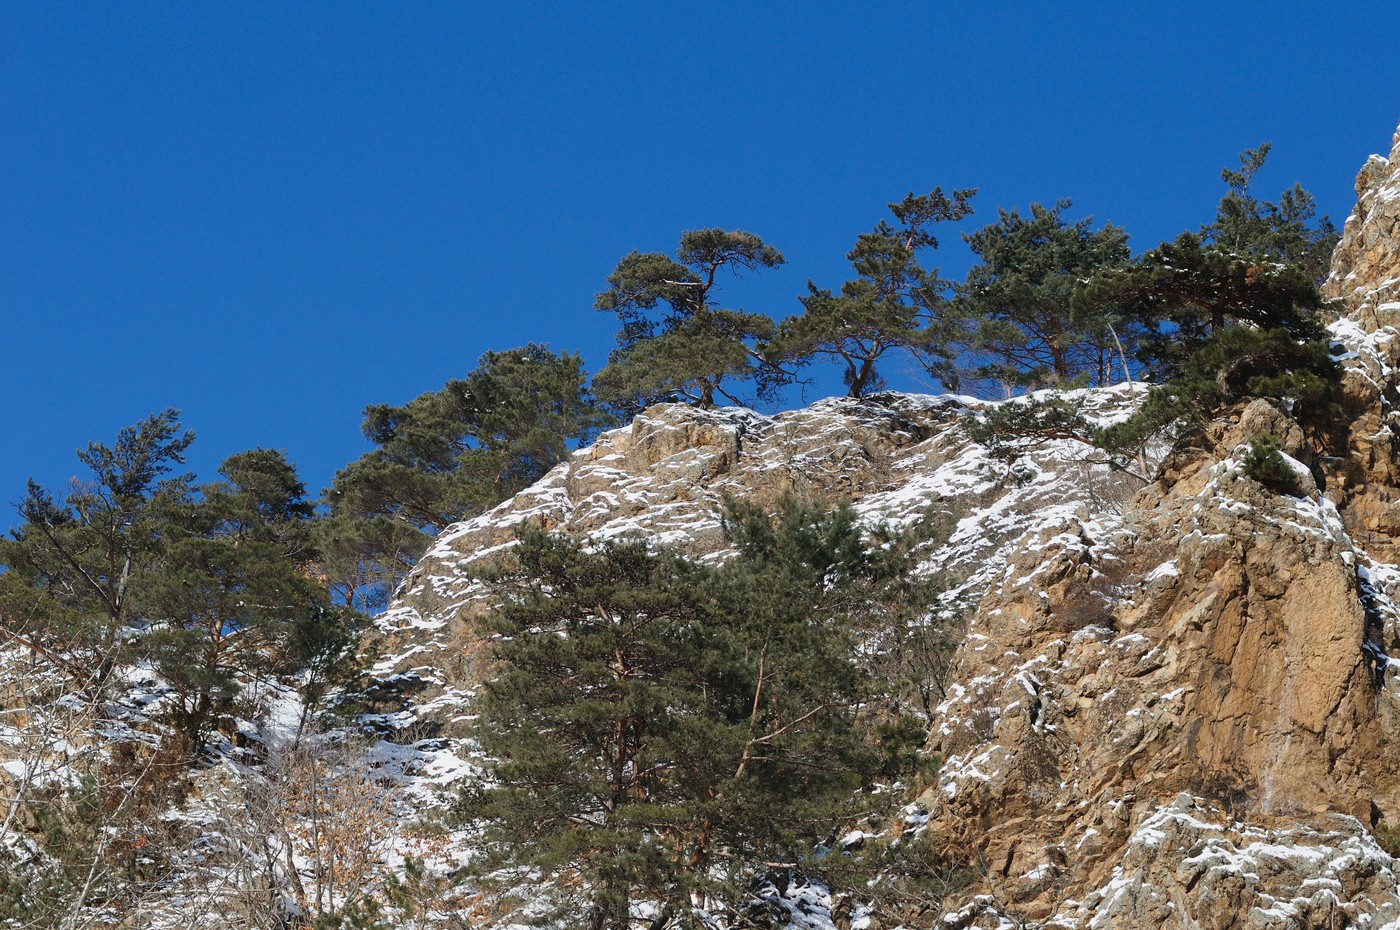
pixel 1263 462
pixel 676 341
pixel 661 729
pixel 448 455
pixel 892 304
pixel 213 585
pixel 1019 322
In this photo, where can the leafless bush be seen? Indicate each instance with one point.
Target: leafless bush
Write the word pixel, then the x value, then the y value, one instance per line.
pixel 306 835
pixel 82 832
pixel 1105 489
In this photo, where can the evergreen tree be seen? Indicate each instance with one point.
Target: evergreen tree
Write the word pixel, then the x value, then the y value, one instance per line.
pixel 675 341
pixel 1240 362
pixel 893 303
pixel 212 585
pixel 1217 326
pixel 1278 232
pixel 360 558
pixel 1263 462
pixel 1182 293
pixel 1008 430
pixel 1229 313
pixel 1017 303
pixel 658 724
pixel 232 599
pixel 448 455
pixel 71 566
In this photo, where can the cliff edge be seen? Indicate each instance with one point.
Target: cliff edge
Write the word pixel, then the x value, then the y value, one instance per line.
pixel 1173 705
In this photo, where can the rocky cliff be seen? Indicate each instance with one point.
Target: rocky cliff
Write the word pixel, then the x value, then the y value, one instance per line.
pixel 1172 706
pixel 1217 747
pixel 664 477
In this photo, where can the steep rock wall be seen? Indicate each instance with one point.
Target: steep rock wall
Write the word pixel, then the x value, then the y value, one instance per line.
pixel 1215 747
pixel 1366 264
pixel 1166 711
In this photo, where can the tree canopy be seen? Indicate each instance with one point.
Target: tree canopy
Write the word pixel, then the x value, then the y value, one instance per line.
pixel 232 597
pixel 676 342
pixel 658 724
pixel 1182 294
pixel 1281 231
pixel 211 584
pixel 451 454
pixel 1022 327
pixel 71 565
pixel 1212 317
pixel 1216 326
pixel 892 303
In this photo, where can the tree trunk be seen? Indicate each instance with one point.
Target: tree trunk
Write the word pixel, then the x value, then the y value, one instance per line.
pixel 862 377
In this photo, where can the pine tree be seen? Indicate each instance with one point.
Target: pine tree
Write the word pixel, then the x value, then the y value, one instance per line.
pixel 1240 362
pixel 1229 313
pixel 1279 232
pixel 1217 326
pixel 893 302
pixel 1017 304
pixel 71 566
pixel 676 342
pixel 593 693
pixel 448 455
pixel 231 598
pixel 1183 293
pixel 213 585
pixel 659 725
pixel 360 558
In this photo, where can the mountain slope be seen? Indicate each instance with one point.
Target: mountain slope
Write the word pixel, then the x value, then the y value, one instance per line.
pixel 1172 704
pixel 1171 707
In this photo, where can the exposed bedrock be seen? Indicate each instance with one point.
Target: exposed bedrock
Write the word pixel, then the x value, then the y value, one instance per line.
pixel 1171 707
pixel 1187 721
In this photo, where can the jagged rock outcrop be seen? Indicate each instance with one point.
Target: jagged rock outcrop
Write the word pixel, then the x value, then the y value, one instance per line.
pixel 1366 264
pixel 1188 864
pixel 1366 279
pixel 1171 707
pixel 665 476
pixel 1229 685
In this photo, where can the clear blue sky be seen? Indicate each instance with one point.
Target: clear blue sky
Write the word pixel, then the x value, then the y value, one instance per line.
pixel 271 215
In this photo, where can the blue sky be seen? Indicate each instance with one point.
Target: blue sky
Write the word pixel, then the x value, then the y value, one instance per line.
pixel 271 215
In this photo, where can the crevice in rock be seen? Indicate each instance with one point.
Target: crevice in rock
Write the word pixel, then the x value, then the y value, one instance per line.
pixel 1373 636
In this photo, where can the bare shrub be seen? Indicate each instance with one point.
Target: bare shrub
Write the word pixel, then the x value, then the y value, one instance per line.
pixel 306 837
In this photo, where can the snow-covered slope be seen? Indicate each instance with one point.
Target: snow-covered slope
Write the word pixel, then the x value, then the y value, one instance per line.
pixel 1171 707
pixel 898 458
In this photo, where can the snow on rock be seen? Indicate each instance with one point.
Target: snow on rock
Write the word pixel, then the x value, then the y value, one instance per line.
pixel 900 459
pixel 1206 639
pixel 1210 740
pixel 1366 264
pixel 1110 662
pixel 1188 862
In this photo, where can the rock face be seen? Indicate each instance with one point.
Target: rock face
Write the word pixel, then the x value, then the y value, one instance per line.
pixel 665 476
pixel 1366 265
pixel 1366 279
pixel 1226 667
pixel 1214 745
pixel 1171 707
